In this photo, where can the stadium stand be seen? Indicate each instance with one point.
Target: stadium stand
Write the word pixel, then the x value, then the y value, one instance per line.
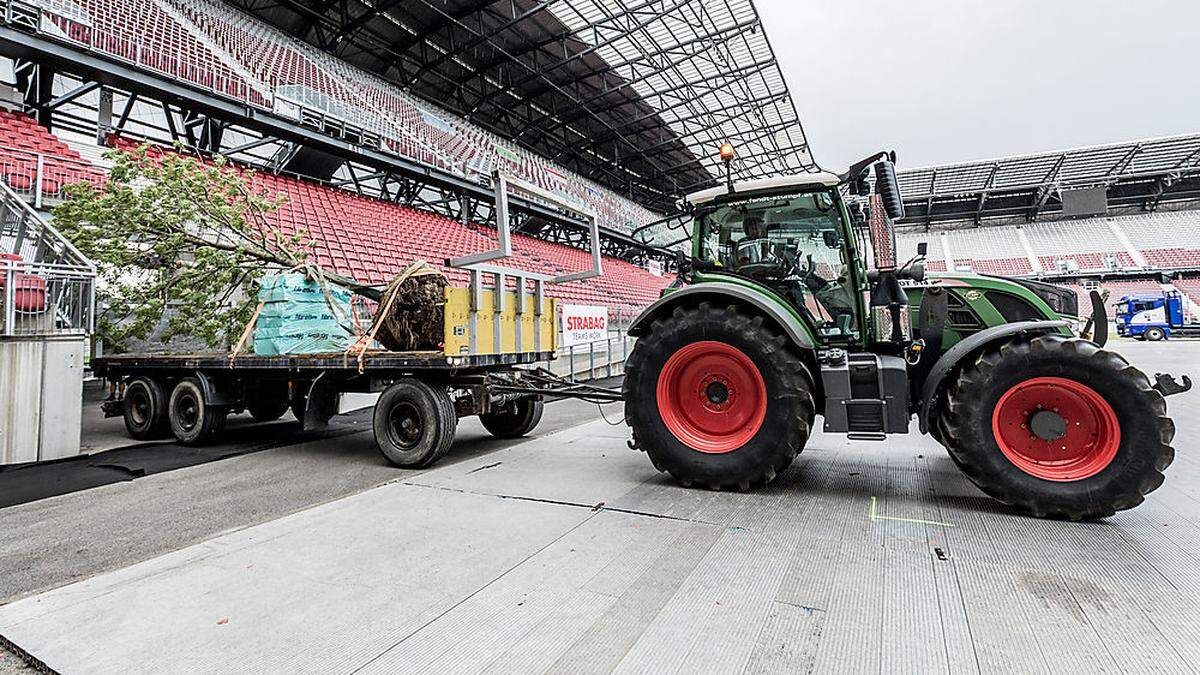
pixel 215 47
pixel 1189 287
pixel 372 240
pixel 1166 241
pixel 1008 216
pixel 1137 175
pixel 142 32
pixel 25 146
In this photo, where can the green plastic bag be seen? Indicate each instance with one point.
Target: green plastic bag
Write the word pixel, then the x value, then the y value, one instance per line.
pixel 297 318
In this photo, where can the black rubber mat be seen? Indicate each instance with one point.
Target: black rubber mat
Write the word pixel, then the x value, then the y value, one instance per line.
pixel 22 483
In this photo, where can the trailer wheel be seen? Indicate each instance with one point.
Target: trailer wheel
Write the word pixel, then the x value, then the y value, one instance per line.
pixel 267 401
pixel 414 423
pixel 192 420
pixel 717 398
pixel 145 409
pixel 514 419
pixel 267 410
pixel 1154 334
pixel 1057 427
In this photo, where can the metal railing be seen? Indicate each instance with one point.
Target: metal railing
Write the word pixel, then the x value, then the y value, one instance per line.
pixel 594 360
pixel 39 299
pixel 37 177
pixel 47 287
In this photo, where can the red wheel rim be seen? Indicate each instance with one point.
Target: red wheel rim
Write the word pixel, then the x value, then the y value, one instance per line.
pixel 1090 434
pixel 711 397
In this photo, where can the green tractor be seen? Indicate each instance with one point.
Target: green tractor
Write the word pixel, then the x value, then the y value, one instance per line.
pixel 778 318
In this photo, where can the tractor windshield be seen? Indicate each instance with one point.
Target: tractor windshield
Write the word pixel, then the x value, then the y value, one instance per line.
pixel 792 243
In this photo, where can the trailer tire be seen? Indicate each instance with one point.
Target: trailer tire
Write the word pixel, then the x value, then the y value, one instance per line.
pixel 1102 450
pixel 267 410
pixel 718 398
pixel 414 423
pixel 267 400
pixel 514 419
pixel 144 408
pixel 192 420
pixel 1154 334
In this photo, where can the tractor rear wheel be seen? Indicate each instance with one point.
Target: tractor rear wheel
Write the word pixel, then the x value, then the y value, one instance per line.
pixel 717 398
pixel 1058 427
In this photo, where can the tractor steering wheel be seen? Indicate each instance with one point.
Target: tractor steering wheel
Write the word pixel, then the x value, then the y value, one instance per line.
pixel 813 281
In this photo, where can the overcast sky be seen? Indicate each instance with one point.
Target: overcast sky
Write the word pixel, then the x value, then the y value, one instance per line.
pixel 953 80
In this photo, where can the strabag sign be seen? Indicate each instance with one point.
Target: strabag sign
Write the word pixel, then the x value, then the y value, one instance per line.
pixel 583 323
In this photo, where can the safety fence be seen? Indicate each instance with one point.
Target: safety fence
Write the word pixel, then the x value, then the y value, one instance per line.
pixel 594 360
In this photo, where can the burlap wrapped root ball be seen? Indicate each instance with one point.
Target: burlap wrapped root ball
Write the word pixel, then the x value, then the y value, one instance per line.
pixel 415 317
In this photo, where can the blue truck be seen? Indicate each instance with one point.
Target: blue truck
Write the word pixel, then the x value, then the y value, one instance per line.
pixel 1153 316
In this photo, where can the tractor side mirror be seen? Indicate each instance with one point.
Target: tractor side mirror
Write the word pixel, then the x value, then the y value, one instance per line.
pixel 888 189
pixel 922 249
pixel 832 240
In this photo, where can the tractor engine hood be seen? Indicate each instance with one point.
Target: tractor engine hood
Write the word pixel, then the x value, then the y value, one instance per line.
pixel 1062 300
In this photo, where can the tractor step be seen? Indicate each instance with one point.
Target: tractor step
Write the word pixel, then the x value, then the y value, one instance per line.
pixel 865 394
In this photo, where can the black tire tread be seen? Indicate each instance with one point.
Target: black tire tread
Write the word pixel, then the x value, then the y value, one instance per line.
pixel 504 425
pixel 267 410
pixel 443 407
pixel 973 378
pixel 212 421
pixel 159 428
pixel 798 386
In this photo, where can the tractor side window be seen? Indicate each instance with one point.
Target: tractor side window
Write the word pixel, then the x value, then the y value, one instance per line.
pixel 792 244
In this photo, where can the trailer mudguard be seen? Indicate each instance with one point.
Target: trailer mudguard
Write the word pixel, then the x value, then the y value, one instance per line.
pixel 321 401
pixel 967 346
pixel 796 331
pixel 214 394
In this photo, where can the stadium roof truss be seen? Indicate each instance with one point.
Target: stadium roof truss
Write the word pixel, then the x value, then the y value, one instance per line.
pixel 635 94
pixel 1137 175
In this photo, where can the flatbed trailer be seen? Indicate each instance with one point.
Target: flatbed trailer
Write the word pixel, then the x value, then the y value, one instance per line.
pixel 494 332
pixel 422 394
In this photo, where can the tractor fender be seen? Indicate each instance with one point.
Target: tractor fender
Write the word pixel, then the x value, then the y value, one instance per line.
pixel 795 330
pixel 966 347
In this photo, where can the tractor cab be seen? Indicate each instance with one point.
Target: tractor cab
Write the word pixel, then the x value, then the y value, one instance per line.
pixel 792 236
pixel 796 236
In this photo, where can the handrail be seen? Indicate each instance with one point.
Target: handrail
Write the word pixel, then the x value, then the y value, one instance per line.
pixel 11 200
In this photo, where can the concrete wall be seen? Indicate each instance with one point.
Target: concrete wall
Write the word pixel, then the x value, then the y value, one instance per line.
pixel 41 398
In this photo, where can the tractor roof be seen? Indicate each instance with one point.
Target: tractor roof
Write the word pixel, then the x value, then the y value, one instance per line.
pixel 774 183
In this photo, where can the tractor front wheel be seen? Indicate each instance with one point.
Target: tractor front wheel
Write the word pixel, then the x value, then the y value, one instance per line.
pixel 1058 427
pixel 717 398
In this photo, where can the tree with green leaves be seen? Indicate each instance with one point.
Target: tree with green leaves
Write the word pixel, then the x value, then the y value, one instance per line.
pixel 179 239
pixel 179 243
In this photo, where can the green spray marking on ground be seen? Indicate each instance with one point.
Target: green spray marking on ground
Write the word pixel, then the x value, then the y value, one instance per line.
pixel 875 516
